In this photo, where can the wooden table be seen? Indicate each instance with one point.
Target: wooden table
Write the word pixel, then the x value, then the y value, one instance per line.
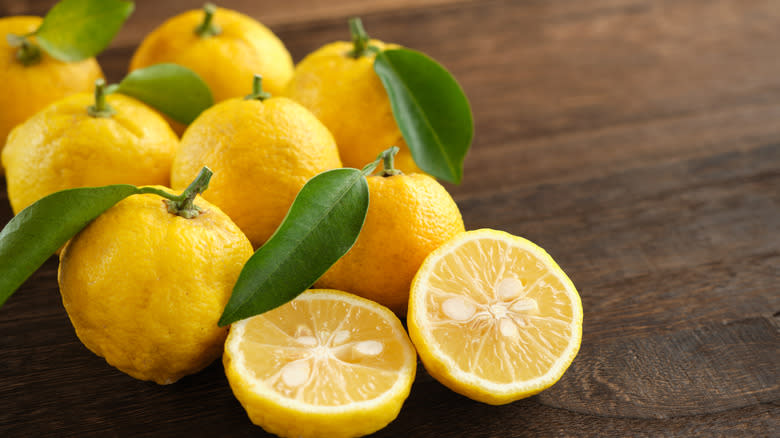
pixel 637 141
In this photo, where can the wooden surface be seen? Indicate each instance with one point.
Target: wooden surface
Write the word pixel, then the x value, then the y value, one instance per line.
pixel 637 141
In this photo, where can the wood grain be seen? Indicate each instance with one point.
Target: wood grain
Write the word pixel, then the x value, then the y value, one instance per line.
pixel 637 141
pixel 662 376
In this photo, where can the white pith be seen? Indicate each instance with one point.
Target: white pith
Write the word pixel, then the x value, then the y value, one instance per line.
pixel 313 351
pixel 510 314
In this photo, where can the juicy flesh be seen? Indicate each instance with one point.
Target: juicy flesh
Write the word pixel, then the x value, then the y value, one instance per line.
pixel 498 311
pixel 323 352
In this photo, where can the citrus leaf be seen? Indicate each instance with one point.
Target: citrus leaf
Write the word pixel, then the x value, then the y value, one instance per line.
pixel 39 230
pixel 175 91
pixel 79 29
pixel 321 226
pixel 431 110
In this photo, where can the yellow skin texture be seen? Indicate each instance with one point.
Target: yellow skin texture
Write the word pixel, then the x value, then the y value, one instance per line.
pixel 347 95
pixel 63 147
pixel 228 61
pixel 261 152
pixel 28 89
pixel 408 217
pixel 145 288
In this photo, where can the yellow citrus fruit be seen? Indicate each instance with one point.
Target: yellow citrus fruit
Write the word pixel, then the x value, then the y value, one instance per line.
pixel 262 153
pixel 27 89
pixel 408 217
pixel 340 90
pixel 327 364
pixel 225 60
pixel 63 147
pixel 493 317
pixel 144 288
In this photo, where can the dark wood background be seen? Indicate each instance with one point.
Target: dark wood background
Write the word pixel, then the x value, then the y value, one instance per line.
pixel 637 141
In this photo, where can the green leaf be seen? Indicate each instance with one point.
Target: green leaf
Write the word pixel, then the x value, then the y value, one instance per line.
pixel 321 226
pixel 39 230
pixel 431 110
pixel 176 91
pixel 79 29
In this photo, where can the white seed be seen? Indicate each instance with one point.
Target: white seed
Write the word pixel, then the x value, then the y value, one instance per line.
pixel 458 309
pixel 525 305
pixel 367 348
pixel 509 288
pixel 508 328
pixel 295 374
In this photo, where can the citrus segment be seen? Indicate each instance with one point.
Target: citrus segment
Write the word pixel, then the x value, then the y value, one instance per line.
pixel 326 364
pixel 494 317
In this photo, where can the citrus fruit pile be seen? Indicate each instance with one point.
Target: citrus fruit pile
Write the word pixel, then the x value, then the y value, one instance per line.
pixel 148 270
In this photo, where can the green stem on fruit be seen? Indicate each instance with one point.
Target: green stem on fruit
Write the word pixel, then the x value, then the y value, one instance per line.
pixel 183 205
pixel 360 39
pixel 387 157
pixel 101 108
pixel 257 90
pixel 28 53
pixel 207 28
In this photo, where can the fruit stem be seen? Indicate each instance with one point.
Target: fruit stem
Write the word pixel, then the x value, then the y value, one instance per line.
pixel 207 28
pixel 387 157
pixel 101 108
pixel 28 53
pixel 360 39
pixel 257 90
pixel 183 204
